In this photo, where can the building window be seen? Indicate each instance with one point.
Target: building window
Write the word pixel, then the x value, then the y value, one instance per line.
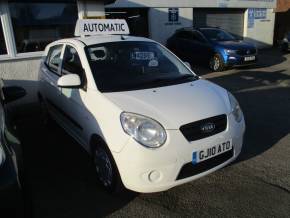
pixel 37 24
pixel 3 49
pixel 137 19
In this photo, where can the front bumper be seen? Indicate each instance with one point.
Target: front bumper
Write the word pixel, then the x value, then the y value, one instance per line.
pixel 154 170
pixel 237 60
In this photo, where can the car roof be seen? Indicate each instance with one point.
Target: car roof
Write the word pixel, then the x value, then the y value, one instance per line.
pixel 197 28
pixel 209 28
pixel 98 39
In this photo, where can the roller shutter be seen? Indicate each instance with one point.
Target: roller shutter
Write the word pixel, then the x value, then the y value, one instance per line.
pixel 231 20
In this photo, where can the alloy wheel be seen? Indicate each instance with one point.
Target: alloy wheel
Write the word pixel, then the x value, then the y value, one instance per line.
pixel 215 63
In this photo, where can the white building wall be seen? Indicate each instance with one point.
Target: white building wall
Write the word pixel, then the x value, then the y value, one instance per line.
pixel 22 73
pixel 195 3
pixel 262 33
pixel 159 26
pixel 90 9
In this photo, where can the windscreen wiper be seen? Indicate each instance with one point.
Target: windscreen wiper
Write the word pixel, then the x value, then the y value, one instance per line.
pixel 187 76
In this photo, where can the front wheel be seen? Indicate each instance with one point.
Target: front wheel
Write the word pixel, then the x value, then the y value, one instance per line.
pixel 216 63
pixel 284 48
pixel 106 169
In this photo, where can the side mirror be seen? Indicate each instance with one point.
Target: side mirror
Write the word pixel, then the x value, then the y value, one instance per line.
pixel 188 65
pixel 13 93
pixel 69 81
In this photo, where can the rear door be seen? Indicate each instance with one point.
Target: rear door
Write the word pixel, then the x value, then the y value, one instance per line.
pixel 184 46
pixel 202 47
pixel 50 73
pixel 192 47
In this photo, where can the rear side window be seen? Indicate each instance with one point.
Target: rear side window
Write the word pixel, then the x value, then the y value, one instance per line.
pixel 185 35
pixel 53 60
pixel 198 37
pixel 190 35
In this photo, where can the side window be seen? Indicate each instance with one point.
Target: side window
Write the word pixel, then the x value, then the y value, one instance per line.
pixel 198 37
pixel 53 60
pixel 71 62
pixel 184 35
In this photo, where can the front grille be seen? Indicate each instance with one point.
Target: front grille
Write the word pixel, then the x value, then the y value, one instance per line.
pixel 189 170
pixel 245 52
pixel 193 131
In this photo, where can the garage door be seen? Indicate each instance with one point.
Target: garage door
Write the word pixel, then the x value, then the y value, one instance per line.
pixel 231 20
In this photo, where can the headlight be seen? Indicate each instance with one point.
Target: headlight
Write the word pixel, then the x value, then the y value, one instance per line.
pixel 235 108
pixel 230 52
pixel 2 155
pixel 144 130
pixel 285 39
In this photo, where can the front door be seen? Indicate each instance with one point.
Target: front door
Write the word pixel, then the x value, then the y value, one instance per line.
pixel 72 100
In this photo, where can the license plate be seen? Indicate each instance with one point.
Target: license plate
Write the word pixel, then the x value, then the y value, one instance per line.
pixel 250 58
pixel 211 152
pixel 142 56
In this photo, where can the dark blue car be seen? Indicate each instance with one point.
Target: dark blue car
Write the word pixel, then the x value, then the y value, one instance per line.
pixel 213 46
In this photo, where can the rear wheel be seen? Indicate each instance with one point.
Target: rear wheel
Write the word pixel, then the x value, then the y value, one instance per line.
pixel 106 169
pixel 216 63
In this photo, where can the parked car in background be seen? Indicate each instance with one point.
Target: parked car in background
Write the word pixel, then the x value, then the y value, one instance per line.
pixel 11 159
pixel 285 46
pixel 213 46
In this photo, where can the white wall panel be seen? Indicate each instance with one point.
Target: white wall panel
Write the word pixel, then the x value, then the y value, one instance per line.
pixel 196 3
pixel 22 73
pixel 161 29
pixel 262 32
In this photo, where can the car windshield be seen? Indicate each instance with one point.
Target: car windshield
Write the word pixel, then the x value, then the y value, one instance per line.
pixel 217 35
pixel 128 65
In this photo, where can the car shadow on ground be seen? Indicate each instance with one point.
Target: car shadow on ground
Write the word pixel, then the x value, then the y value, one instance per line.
pixel 264 98
pixel 60 179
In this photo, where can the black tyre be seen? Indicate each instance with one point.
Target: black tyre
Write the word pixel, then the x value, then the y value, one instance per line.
pixel 216 63
pixel 106 169
pixel 284 48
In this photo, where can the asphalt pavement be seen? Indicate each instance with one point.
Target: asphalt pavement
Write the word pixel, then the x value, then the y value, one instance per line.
pixel 61 182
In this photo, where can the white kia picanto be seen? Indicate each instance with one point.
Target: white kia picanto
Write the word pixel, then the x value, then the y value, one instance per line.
pixel 149 122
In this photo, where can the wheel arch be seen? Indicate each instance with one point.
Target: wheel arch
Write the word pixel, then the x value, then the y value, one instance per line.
pixel 95 139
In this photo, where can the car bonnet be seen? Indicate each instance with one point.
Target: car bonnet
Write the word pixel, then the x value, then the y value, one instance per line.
pixel 174 106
